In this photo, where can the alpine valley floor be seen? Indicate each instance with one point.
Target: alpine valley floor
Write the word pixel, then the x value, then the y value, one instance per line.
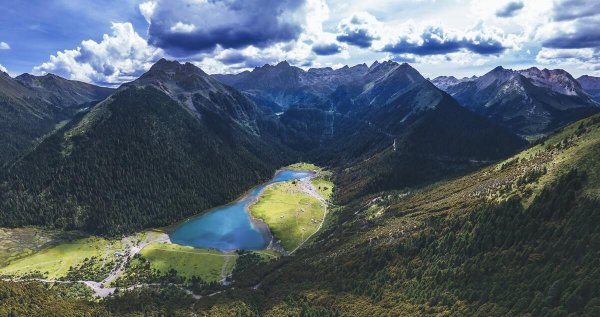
pixel 430 251
pixel 149 259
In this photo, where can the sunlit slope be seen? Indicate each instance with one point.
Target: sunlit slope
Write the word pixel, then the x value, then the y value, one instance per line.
pixel 518 237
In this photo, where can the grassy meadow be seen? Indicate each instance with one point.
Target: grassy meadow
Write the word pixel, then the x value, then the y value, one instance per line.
pixel 209 265
pixel 54 262
pixel 291 214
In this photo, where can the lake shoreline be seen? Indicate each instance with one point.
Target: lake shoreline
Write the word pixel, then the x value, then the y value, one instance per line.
pixel 231 227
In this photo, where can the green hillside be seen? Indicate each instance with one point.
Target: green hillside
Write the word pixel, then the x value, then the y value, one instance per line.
pixel 516 238
pixel 139 159
pixel 519 237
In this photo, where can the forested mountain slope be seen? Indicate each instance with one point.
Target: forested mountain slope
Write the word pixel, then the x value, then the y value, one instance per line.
pixel 32 106
pixel 170 144
pixel 519 237
pixel 401 131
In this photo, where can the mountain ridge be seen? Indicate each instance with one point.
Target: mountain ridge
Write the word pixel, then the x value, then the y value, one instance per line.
pixel 144 157
pixel 530 102
pixel 32 106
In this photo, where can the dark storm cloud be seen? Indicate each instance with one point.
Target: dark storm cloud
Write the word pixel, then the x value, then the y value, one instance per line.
pixel 434 40
pixel 326 49
pixel 574 9
pixel 583 33
pixel 360 38
pixel 359 30
pixel 186 27
pixel 576 25
pixel 510 9
pixel 232 58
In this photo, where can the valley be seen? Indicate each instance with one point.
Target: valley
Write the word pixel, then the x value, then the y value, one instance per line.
pixel 300 158
pixel 159 256
pixel 178 195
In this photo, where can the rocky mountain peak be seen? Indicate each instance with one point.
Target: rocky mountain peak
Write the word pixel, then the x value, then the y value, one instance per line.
pixel 557 80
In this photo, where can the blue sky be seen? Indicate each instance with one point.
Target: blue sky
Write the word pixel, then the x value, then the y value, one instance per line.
pixel 114 41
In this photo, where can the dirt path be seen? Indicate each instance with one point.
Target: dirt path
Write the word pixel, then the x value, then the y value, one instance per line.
pixel 307 187
pixel 224 270
pixel 133 249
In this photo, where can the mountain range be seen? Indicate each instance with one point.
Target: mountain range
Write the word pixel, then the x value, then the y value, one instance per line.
pixel 173 141
pixel 32 106
pixel 163 147
pixel 530 102
pixel 442 206
pixel 591 85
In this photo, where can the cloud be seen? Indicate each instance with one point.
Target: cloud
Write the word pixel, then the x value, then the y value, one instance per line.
pixel 181 27
pixel 227 24
pixel 3 69
pixel 241 60
pixel 510 9
pixel 223 61
pixel 325 49
pixel 232 57
pixel 574 24
pixel 573 9
pixel 4 46
pixel 404 58
pixel 119 57
pixel 360 29
pixel 147 9
pixel 436 40
pixel 587 59
pixel 579 33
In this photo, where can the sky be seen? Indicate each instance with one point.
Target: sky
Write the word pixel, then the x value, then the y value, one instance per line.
pixel 114 41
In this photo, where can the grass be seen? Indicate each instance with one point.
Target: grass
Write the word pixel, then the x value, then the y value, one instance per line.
pixel 324 187
pixel 18 243
pixel 573 147
pixel 54 262
pixel 291 214
pixel 303 167
pixel 267 254
pixel 209 265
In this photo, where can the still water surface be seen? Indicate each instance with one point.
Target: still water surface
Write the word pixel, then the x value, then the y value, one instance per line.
pixel 230 227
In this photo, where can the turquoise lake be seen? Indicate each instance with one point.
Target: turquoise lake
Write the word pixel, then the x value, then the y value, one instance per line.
pixel 230 227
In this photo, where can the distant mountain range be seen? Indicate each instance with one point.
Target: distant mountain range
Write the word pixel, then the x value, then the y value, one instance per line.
pixel 177 140
pixel 591 85
pixel 529 102
pixel 282 85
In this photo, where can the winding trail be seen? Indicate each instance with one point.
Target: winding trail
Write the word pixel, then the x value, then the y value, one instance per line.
pixel 307 186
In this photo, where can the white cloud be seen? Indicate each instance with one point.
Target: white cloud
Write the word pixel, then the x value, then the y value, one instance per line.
pixel 585 59
pixel 181 27
pixel 119 57
pixel 3 69
pixel 4 46
pixel 147 9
